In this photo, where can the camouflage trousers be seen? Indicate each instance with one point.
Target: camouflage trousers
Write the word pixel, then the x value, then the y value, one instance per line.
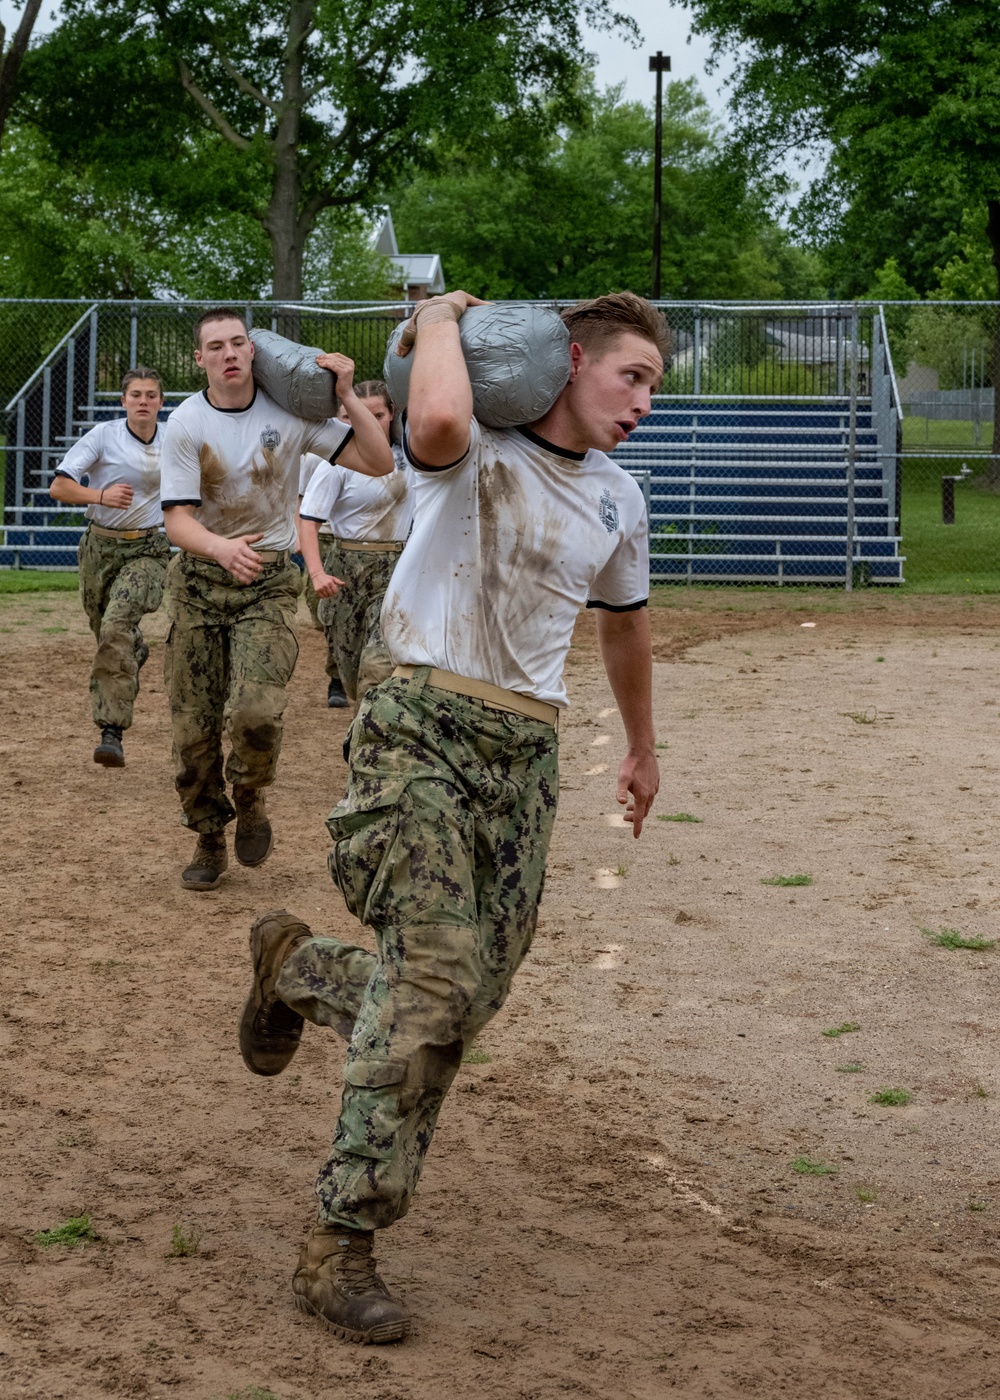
pixel 351 618
pixel 230 653
pixel 120 581
pixel 440 845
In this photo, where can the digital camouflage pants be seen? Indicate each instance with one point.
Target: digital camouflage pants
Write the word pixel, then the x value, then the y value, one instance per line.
pixel 230 653
pixel 120 581
pixel 351 618
pixel 440 845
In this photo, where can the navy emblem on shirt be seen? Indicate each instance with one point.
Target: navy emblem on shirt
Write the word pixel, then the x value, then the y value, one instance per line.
pixel 270 438
pixel 608 511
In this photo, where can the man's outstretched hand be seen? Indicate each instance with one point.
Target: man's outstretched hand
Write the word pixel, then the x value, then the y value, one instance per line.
pixel 638 784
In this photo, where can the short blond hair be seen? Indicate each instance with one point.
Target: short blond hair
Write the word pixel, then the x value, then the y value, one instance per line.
pixel 597 324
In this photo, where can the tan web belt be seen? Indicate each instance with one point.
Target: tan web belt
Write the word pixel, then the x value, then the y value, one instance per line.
pixel 271 556
pixel 106 534
pixel 493 696
pixel 394 546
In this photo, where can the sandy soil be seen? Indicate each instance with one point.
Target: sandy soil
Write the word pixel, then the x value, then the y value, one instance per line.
pixel 610 1207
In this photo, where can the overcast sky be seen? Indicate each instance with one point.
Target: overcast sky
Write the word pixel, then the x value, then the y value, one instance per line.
pixel 664 27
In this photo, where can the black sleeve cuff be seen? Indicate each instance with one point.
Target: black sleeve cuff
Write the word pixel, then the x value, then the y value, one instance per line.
pixel 612 607
pixel 339 449
pixel 317 519
pixel 422 466
pixel 67 475
pixel 165 505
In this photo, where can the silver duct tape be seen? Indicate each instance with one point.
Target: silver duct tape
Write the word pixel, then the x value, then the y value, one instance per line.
pixel 288 373
pixel 517 357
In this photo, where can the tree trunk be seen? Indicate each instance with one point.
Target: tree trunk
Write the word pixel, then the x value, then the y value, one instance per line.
pixel 10 62
pixel 286 223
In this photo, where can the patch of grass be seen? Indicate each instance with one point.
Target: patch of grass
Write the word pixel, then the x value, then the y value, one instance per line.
pixel 846 1028
pixel 621 870
pixel 55 629
pixel 868 716
pixel 880 658
pixel 980 1093
pixel 673 860
pixel 788 881
pixel 891 1098
pixel 977 1203
pixel 475 1056
pixel 38 581
pixel 252 1392
pixel 677 817
pixel 852 1067
pixel 867 1194
pixel 71 1233
pixel 663 746
pixel 951 938
pixel 807 1166
pixel 185 1242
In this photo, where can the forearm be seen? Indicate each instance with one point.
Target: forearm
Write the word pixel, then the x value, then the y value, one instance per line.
pixel 189 534
pixel 309 543
pixel 626 649
pixel 440 395
pixel 369 452
pixel 71 493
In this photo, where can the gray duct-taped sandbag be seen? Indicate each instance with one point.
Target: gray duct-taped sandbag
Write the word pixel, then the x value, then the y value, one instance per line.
pixel 517 357
pixel 288 373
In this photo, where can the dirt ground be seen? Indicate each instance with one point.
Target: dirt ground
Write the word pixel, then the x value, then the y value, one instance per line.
pixel 610 1207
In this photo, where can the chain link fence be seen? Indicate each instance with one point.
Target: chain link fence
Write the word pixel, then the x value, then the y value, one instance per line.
pixel 844 444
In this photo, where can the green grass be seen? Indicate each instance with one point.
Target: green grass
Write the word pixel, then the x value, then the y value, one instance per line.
pixel 71 1233
pixel 806 1166
pixel 977 1203
pixel 38 581
pixel 852 1066
pixel 677 817
pixel 959 558
pixel 184 1243
pixel 846 1028
pixel 951 938
pixel 866 1194
pixel 891 1098
pixel 788 882
pixel 475 1056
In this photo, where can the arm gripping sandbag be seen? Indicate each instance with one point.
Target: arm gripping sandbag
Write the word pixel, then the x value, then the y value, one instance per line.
pixel 288 374
pixel 517 357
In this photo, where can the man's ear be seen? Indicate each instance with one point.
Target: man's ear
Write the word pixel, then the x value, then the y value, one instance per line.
pixel 577 354
pixel 253 348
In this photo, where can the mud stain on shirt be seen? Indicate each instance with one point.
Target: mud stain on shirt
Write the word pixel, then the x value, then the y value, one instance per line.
pixel 213 473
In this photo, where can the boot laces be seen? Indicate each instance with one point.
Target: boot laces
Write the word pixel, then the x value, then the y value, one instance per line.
pixel 355 1267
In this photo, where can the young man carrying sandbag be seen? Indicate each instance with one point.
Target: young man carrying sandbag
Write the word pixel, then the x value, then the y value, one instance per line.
pixel 440 842
pixel 229 489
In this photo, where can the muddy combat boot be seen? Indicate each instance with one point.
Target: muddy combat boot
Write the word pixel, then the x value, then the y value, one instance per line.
pixel 109 752
pixel 336 696
pixel 254 837
pixel 270 1031
pixel 208 863
pixel 337 1282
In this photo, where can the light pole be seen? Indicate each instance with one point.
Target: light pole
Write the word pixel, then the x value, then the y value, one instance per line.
pixel 659 65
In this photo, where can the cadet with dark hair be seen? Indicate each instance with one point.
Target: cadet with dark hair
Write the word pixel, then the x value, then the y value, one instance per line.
pixel 440 842
pixel 230 482
pixel 124 553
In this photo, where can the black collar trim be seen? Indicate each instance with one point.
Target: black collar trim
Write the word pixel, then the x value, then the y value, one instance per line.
pixel 230 410
pixel 156 429
pixel 550 446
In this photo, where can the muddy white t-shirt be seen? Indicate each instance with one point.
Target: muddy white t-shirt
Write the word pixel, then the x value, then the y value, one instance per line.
pixel 507 546
pixel 240 466
pixel 110 453
pixel 356 507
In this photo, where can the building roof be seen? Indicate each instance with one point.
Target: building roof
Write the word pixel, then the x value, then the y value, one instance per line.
pixel 415 269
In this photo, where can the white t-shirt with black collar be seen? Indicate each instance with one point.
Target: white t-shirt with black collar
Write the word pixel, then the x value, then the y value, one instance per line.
pixel 111 453
pixel 356 507
pixel 508 544
pixel 240 466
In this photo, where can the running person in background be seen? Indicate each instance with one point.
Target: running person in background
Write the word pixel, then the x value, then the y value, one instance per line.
pixel 230 477
pixel 370 519
pixel 124 553
pixel 336 696
pixel 440 842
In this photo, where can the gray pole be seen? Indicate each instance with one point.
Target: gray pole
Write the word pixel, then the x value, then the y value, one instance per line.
pixel 658 65
pixel 852 451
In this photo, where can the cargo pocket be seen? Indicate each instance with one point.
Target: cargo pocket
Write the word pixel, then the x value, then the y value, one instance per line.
pixel 361 862
pixel 168 659
pixel 370 1116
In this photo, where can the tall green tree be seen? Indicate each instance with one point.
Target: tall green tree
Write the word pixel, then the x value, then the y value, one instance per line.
pixel 281 109
pixel 905 95
pixel 12 56
pixel 573 217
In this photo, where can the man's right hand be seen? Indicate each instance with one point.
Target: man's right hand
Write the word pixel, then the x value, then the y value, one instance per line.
pixel 117 497
pixel 238 558
pixel 325 585
pixel 451 306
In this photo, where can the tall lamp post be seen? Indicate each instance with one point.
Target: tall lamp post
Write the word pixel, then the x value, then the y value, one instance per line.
pixel 659 64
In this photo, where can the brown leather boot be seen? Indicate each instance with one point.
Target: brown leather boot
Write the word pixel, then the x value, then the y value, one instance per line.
pixel 254 837
pixel 270 1031
pixel 337 1282
pixel 208 863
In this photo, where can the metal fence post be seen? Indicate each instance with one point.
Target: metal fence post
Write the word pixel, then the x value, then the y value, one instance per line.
pixel 92 365
pixel 852 450
pixel 133 337
pixel 697 351
pixel 19 465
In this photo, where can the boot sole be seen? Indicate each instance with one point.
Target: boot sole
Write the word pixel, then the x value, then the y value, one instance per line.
pixel 107 758
pixel 253 1003
pixel 199 885
pixel 377 1336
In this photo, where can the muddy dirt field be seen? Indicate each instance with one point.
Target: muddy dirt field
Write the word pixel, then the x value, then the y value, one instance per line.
pixel 663 1174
